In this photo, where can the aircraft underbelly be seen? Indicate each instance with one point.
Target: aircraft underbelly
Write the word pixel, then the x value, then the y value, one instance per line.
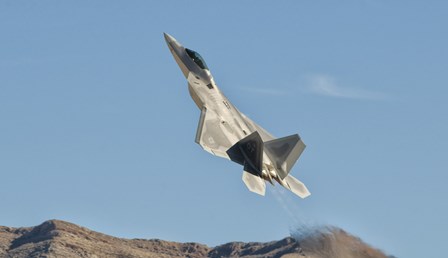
pixel 226 132
pixel 197 100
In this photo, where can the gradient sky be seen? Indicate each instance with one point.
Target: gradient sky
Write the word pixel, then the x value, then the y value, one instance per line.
pixel 97 126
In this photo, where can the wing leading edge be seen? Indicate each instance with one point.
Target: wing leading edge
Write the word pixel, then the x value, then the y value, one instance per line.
pixel 210 134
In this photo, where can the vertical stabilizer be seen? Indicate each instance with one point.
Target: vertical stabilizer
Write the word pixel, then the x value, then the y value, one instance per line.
pixel 249 153
pixel 284 152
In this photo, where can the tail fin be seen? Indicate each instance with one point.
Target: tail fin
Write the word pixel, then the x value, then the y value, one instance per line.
pixel 284 152
pixel 297 187
pixel 249 153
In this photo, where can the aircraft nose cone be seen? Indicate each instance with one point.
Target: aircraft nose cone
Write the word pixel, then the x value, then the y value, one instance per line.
pixel 169 38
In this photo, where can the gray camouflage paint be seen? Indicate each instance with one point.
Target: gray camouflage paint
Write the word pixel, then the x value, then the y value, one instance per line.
pixel 222 125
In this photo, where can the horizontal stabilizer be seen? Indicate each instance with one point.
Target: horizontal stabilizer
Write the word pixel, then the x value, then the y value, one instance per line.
pixel 254 183
pixel 296 186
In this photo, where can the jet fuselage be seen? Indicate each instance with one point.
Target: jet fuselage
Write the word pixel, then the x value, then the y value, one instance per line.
pixel 223 126
pixel 204 91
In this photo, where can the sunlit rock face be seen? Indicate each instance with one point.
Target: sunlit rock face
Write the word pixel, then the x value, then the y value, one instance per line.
pixel 57 238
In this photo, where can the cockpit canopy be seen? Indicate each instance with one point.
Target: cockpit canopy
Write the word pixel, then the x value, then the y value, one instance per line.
pixel 197 58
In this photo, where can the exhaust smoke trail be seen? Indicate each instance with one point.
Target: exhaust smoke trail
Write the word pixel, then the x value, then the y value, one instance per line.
pixel 318 240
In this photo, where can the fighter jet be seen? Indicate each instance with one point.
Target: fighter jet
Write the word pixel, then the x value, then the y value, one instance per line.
pixel 226 132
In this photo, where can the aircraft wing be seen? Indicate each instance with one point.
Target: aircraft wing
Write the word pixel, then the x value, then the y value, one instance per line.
pixel 265 135
pixel 210 134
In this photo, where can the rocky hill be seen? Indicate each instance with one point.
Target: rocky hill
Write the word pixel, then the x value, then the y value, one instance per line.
pixel 57 238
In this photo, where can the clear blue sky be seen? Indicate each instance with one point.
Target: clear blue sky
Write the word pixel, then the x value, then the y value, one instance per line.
pixel 97 126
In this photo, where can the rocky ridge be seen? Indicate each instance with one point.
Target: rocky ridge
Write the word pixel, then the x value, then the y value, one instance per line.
pixel 55 238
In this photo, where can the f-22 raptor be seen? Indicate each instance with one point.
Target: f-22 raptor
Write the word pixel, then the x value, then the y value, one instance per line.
pixel 226 132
